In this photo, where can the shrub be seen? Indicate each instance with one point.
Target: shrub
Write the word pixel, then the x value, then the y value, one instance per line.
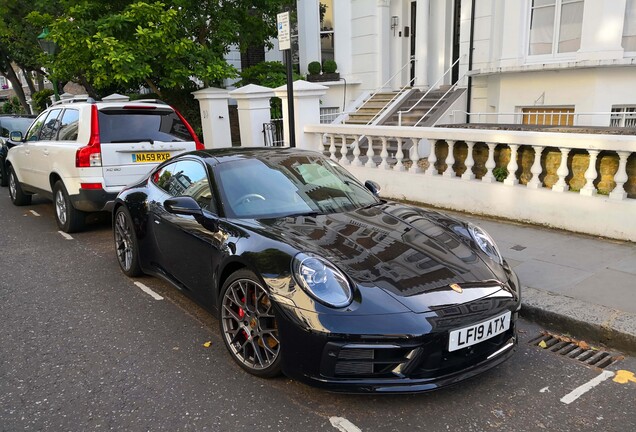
pixel 329 67
pixel 41 99
pixel 12 106
pixel 314 68
pixel 500 173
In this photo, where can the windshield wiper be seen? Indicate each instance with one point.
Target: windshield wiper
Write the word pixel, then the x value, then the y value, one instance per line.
pixel 309 214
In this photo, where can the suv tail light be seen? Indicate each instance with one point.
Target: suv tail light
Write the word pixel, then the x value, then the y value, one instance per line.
pixel 195 138
pixel 91 154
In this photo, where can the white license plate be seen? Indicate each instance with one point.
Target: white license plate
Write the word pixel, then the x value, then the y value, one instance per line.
pixel 471 335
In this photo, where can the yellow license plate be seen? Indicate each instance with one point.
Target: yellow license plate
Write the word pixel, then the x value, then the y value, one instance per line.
pixel 150 157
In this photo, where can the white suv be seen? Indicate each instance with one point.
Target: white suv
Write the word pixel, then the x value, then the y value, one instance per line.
pixel 81 153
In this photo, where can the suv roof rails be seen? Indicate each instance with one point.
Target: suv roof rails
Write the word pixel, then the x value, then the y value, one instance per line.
pixel 74 100
pixel 157 101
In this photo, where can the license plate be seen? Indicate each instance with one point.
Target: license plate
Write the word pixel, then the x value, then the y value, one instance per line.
pixel 471 335
pixel 150 157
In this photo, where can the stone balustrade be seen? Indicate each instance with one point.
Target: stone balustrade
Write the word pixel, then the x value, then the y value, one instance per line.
pixel 580 182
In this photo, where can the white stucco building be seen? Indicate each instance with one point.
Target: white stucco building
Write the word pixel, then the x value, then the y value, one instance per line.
pixel 522 56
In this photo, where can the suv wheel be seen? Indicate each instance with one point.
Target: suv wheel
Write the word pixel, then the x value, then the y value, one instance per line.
pixel 18 197
pixel 68 218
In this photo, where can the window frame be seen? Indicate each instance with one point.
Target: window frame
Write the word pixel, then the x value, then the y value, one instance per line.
pixel 628 53
pixel 554 55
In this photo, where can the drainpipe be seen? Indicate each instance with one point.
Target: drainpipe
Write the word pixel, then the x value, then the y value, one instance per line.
pixel 470 58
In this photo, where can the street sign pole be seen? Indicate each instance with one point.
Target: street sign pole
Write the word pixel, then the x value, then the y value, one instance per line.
pixel 284 44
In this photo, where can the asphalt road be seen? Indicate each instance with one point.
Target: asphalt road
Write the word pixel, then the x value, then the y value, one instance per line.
pixel 84 348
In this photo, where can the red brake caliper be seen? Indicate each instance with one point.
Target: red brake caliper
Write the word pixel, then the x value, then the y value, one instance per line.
pixel 241 314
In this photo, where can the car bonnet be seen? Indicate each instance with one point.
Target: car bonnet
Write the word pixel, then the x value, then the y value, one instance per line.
pixel 409 253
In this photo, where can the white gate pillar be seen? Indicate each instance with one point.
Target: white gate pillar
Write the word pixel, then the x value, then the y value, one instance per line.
pixel 215 117
pixel 306 111
pixel 253 111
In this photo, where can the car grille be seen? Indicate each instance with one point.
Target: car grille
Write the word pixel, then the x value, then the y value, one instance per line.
pixel 428 357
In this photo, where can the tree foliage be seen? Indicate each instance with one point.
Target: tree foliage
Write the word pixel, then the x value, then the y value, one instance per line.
pixel 159 44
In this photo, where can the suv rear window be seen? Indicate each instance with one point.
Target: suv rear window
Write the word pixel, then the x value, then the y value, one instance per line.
pixel 127 125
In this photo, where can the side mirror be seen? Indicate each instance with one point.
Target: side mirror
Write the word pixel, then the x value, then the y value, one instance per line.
pixel 373 187
pixel 16 136
pixel 183 205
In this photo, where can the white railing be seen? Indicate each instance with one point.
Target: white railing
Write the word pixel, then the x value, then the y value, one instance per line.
pixel 434 86
pixel 457 168
pixel 612 119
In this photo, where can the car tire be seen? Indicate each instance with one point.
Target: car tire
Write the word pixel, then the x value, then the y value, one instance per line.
pixel 68 218
pixel 4 179
pixel 248 325
pixel 18 196
pixel 126 244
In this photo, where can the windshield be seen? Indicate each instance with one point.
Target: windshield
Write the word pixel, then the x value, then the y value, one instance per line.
pixel 290 185
pixel 9 124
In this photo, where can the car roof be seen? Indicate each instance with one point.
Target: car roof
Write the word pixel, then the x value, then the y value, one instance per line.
pixel 217 156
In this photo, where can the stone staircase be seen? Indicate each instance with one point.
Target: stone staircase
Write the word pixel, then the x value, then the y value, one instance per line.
pixel 370 108
pixel 419 110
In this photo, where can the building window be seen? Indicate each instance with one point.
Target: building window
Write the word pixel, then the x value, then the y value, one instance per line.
pixel 629 28
pixel 555 26
pixel 623 116
pixel 548 116
pixel 326 30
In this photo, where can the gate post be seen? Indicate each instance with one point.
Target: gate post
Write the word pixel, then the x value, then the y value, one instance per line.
pixel 215 117
pixel 253 111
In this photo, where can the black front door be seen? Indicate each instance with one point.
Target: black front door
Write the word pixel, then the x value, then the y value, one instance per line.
pixel 413 21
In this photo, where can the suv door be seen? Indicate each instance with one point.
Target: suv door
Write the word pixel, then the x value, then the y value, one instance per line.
pixel 135 138
pixel 40 150
pixel 20 156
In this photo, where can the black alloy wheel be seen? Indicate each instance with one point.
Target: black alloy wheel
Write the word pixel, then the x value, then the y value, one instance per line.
pixel 68 218
pixel 18 197
pixel 248 325
pixel 126 244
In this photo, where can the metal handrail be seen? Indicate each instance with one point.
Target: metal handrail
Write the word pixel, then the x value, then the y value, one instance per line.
pixel 399 93
pixel 428 91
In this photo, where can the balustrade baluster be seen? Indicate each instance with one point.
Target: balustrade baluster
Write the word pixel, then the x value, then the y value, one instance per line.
pixel 512 167
pixel 590 175
pixel 490 164
pixel 344 160
pixel 415 156
pixel 321 146
pixel 356 151
pixel 469 162
pixel 535 169
pixel 450 160
pixel 384 155
pixel 620 177
pixel 399 156
pixel 332 148
pixel 432 159
pixel 562 172
pixel 370 153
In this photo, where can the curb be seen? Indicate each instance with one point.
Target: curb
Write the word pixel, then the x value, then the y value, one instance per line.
pixel 596 323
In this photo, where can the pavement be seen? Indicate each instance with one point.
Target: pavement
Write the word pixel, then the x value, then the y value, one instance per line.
pixel 581 285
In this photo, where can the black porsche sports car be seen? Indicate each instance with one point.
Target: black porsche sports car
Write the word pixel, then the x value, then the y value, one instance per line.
pixel 312 274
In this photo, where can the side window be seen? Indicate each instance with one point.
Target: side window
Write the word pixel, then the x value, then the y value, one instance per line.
pixel 186 178
pixel 33 134
pixel 51 125
pixel 69 125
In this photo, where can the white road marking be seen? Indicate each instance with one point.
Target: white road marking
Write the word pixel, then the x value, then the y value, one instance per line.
pixel 65 235
pixel 343 425
pixel 148 291
pixel 581 390
pixel 34 213
pixel 545 389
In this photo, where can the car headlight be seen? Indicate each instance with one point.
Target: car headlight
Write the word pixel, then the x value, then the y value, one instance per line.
pixel 485 243
pixel 322 280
